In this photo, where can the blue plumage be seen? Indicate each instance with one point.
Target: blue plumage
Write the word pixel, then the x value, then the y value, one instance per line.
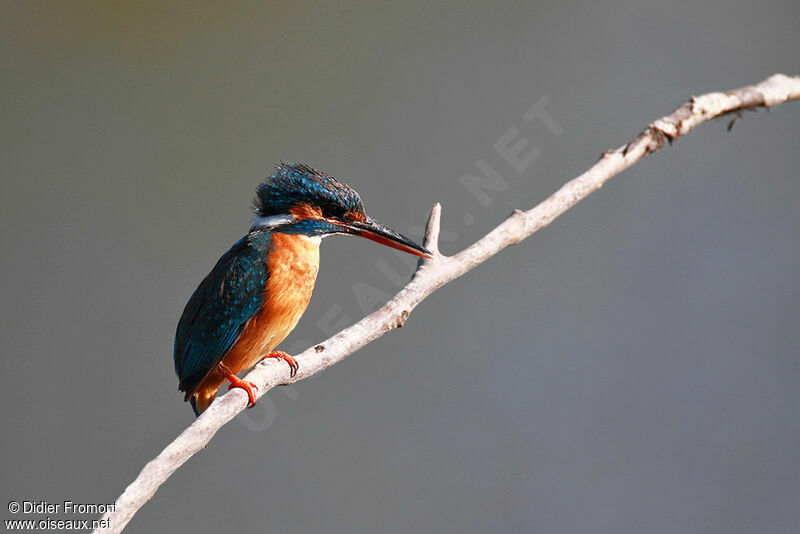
pixel 295 183
pixel 220 308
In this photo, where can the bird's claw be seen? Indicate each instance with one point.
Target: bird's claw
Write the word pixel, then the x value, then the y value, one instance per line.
pixel 279 354
pixel 248 387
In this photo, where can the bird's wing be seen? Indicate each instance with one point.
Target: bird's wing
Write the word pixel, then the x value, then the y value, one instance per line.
pixel 218 312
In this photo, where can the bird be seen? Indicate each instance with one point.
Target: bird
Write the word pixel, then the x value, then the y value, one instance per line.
pixel 256 293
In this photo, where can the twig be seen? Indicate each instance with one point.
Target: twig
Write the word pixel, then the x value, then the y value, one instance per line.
pixel 434 273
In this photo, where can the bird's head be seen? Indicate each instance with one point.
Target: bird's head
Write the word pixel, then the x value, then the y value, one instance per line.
pixel 301 200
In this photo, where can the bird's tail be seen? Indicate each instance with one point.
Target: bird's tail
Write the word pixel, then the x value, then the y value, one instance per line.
pixel 202 399
pixel 193 402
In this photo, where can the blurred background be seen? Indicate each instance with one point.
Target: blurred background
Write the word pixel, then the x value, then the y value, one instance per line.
pixel 631 368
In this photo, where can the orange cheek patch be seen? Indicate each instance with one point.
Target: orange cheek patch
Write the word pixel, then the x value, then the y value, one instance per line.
pixel 355 216
pixel 305 211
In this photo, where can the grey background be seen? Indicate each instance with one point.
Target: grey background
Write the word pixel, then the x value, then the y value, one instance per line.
pixel 631 368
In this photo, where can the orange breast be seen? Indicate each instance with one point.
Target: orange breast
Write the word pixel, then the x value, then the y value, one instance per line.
pixel 293 265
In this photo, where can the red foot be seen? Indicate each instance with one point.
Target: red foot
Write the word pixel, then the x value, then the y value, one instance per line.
pixel 249 387
pixel 293 366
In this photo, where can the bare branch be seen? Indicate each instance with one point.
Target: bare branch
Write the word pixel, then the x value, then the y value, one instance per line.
pixel 434 273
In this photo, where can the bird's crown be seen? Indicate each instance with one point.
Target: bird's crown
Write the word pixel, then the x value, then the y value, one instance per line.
pixel 306 192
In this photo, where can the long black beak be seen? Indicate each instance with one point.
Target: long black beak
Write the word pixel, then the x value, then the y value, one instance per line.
pixel 372 229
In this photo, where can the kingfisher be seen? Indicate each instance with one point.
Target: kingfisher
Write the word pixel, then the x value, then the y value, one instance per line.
pixel 258 290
